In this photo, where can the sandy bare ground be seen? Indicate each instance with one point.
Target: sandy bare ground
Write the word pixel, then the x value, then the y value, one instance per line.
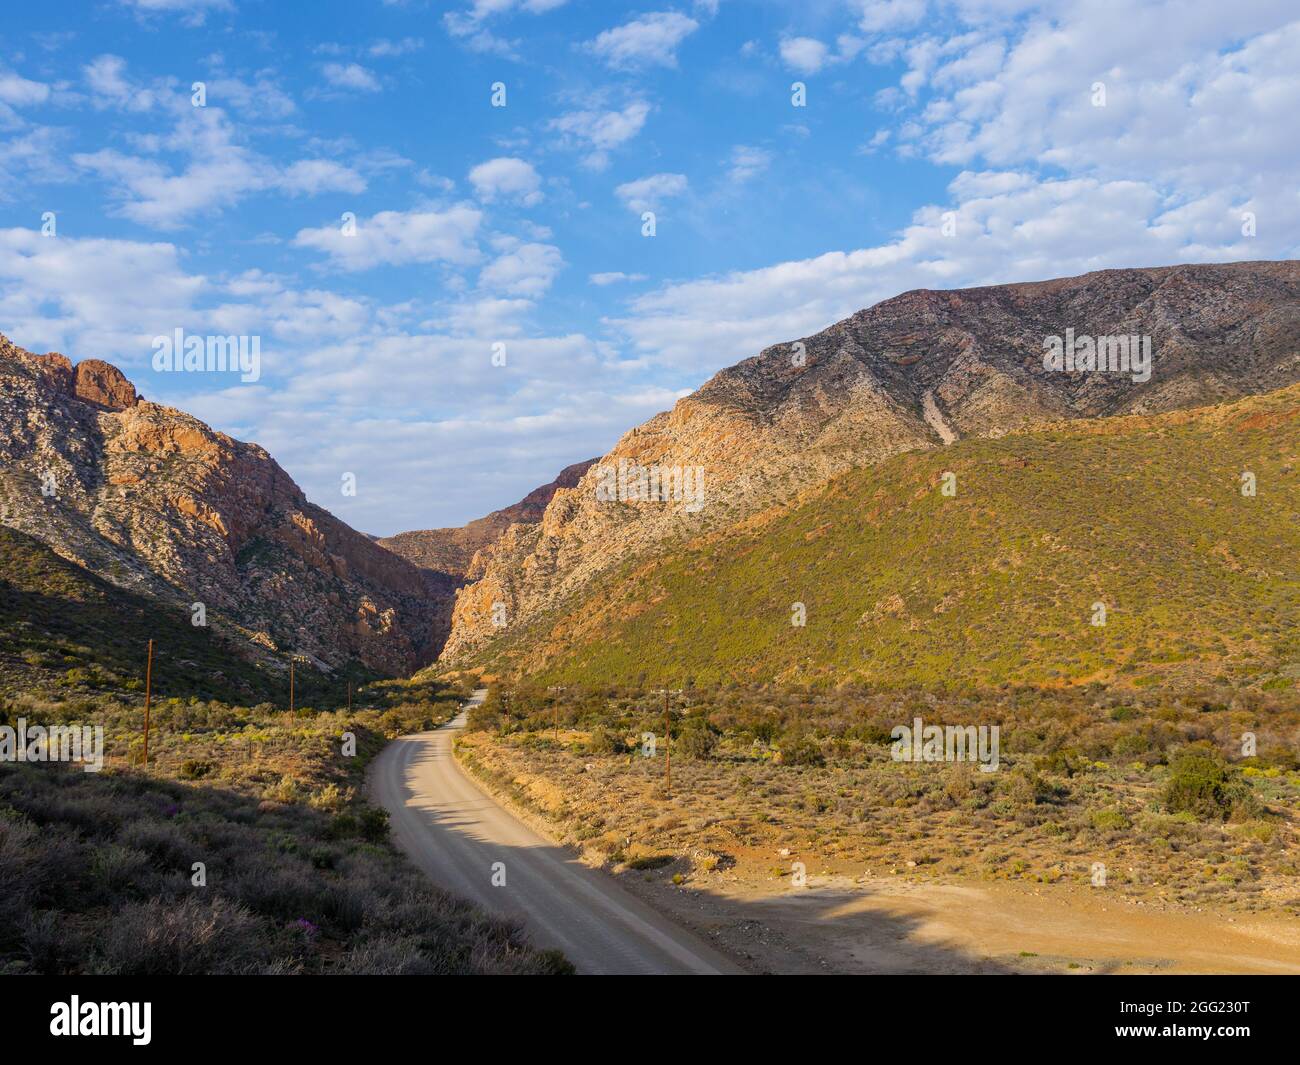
pixel 883 925
pixel 889 924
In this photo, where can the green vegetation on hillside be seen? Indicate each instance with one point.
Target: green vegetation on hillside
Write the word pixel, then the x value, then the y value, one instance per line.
pixel 98 875
pixel 903 585
pixel 66 631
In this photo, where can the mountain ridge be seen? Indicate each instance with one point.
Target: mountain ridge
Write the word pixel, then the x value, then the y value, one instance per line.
pixel 159 503
pixel 908 373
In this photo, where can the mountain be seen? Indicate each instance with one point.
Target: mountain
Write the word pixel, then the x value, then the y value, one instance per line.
pixel 162 506
pixel 898 584
pixel 914 373
pixel 64 631
pixel 452 551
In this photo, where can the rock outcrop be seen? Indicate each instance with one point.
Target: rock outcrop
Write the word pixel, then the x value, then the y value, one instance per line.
pixel 156 501
pixel 451 551
pixel 917 371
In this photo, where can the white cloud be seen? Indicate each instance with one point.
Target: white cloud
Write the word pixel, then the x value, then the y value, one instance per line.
pixel 468 26
pixel 506 178
pixel 193 12
pixel 747 163
pixel 807 55
pixel 398 238
pixel 313 176
pixel 20 92
pixel 601 130
pixel 219 173
pixel 651 40
pixel 804 55
pixel 1187 110
pixel 350 76
pixel 647 193
pixel 86 296
pixel 106 77
pixel 1010 226
pixel 35 156
pixel 384 48
pixel 261 97
pixel 527 270
pixel 613 277
pixel 878 15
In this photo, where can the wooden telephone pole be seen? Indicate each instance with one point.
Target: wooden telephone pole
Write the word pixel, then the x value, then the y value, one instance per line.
pixel 668 749
pixel 668 757
pixel 557 688
pixel 291 685
pixel 148 697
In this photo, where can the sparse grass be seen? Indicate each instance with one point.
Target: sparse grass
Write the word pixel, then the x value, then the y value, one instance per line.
pixel 1077 784
pixel 97 871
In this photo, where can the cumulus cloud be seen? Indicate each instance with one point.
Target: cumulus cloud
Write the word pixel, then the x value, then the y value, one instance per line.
pixel 601 131
pixel 219 173
pixel 808 55
pixel 192 12
pixel 804 55
pixel 526 270
pixel 20 92
pixel 509 179
pixel 110 87
pixel 1009 226
pixel 648 193
pixel 313 176
pixel 878 15
pixel 87 296
pixel 747 163
pixel 351 76
pixel 651 40
pixel 470 26
pixel 395 238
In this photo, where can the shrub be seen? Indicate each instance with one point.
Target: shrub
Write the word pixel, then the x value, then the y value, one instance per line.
pixel 1108 820
pixel 797 748
pixel 194 769
pixel 372 822
pixel 605 741
pixel 696 742
pixel 1202 784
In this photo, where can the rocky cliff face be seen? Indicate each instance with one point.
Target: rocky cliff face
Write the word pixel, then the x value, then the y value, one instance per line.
pixel 917 371
pixel 452 551
pixel 156 501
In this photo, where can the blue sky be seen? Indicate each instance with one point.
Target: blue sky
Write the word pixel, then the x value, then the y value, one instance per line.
pixel 522 225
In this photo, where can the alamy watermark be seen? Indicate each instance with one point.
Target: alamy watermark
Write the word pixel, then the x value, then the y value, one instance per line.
pixel 179 353
pixel 1104 354
pixel 919 742
pixel 630 482
pixel 133 1019
pixel 53 743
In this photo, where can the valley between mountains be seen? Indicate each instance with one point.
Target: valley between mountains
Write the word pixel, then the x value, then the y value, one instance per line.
pixel 905 517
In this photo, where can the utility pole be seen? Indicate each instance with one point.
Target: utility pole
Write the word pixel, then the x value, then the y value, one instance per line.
pixel 557 688
pixel 291 685
pixel 148 697
pixel 349 697
pixel 668 757
pixel 668 750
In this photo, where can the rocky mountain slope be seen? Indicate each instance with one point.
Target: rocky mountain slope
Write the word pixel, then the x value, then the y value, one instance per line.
pixel 880 578
pixel 160 504
pixel 918 371
pixel 452 551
